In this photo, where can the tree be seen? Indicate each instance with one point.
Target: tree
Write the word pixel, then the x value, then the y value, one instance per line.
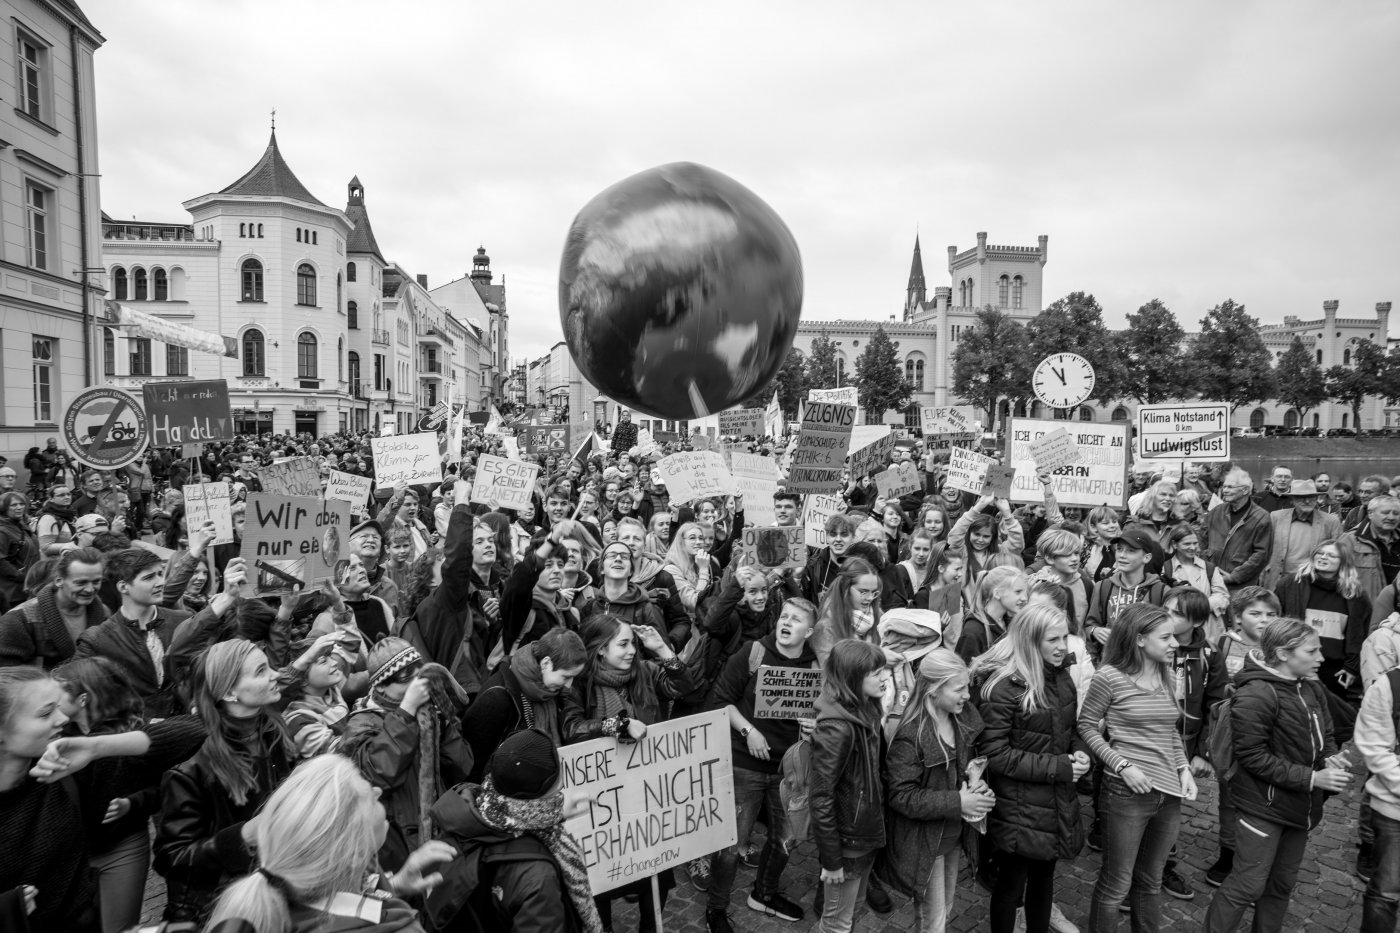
pixel 880 378
pixel 1301 383
pixel 992 361
pixel 1150 351
pixel 1074 324
pixel 821 363
pixel 790 383
pixel 1366 376
pixel 1228 356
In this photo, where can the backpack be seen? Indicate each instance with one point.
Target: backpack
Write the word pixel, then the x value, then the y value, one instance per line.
pixel 1222 735
pixel 795 786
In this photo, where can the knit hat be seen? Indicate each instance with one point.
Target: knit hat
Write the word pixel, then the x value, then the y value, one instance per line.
pixel 525 765
pixel 388 658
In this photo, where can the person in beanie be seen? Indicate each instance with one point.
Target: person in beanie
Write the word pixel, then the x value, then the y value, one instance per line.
pixel 519 868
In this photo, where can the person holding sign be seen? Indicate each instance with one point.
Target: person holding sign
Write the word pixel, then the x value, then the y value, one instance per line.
pixel 618 695
pixel 759 744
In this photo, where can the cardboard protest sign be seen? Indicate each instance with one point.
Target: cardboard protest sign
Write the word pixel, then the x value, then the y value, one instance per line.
pixel 1098 477
pixel 820 455
pixel 653 804
pixel 740 421
pixel 297 476
pixel 815 511
pixel 846 395
pixel 506 483
pixel 406 460
pixel 187 412
pixel 210 502
pixel 349 487
pixel 756 479
pixel 956 419
pixel 899 480
pixel 695 474
pixel 787 692
pixel 1054 450
pixel 871 447
pixel 774 547
pixel 293 541
pixel 386 428
pixel 998 482
pixel 967 470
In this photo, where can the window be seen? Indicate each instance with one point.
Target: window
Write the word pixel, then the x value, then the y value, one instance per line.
pixel 1003 292
pixel 109 352
pixel 1257 418
pixel 338 305
pixel 140 285
pixel 254 358
pixel 1346 361
pixel 354 370
pixel 140 348
pixel 177 360
pixel 259 230
pixel 1120 413
pixel 352 314
pixel 1086 413
pixel 314 238
pixel 43 378
pixel 840 370
pixel 306 284
pixel 242 229
pixel 914 374
pixel 161 285
pixel 33 65
pixel 306 356
pixel 1319 359
pixel 1018 286
pixel 119 283
pixel 1345 419
pixel 349 272
pixel 252 280
pixel 38 202
pixel 340 360
pixel 378 372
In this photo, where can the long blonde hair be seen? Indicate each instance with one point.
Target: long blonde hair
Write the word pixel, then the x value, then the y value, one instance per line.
pixel 938 668
pixel 1018 654
pixel 679 558
pixel 1348 580
pixel 317 835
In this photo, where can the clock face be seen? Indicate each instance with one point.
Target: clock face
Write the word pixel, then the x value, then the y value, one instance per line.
pixel 1063 380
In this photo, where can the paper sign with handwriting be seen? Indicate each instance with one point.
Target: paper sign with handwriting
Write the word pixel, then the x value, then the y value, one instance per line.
pixel 820 455
pixel 210 502
pixel 899 480
pixel 406 460
pixel 502 483
pixel 846 395
pixel 967 470
pixel 1054 450
pixel 349 487
pixel 741 421
pixel 695 474
pixel 756 479
pixel 998 482
pixel 295 476
pixel 293 541
pixel 815 511
pixel 787 692
pixel 871 447
pixel 774 548
pixel 956 419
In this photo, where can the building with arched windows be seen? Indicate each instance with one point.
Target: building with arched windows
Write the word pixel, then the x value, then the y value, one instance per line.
pixel 329 334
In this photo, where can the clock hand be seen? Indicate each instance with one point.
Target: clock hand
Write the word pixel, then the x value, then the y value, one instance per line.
pixel 1060 373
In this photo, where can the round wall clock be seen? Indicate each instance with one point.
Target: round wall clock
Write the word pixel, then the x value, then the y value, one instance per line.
pixel 1063 380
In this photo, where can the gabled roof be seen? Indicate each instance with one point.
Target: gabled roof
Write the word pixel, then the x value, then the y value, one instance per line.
pixel 271 177
pixel 361 239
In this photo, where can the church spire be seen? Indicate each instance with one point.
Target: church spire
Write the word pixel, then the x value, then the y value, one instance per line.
pixel 916 292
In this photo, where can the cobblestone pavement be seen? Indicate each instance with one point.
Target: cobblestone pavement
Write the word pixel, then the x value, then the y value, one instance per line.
pixel 1326 900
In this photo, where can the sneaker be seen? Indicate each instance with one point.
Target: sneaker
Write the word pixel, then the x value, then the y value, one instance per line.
pixel 1217 873
pixel 1176 886
pixel 1096 837
pixel 775 905
pixel 749 855
pixel 700 873
pixel 878 898
pixel 717 921
pixel 1365 861
pixel 1059 922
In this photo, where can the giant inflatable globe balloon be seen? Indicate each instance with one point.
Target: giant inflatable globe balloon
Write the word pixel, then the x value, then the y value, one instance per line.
pixel 679 292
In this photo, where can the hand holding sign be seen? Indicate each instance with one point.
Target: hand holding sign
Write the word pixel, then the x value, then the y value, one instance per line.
pixel 999 479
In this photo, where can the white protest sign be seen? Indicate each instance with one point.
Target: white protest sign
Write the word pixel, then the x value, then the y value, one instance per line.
pixel 1199 432
pixel 820 455
pixel 210 502
pixel 967 470
pixel 899 480
pixel 293 541
pixel 756 479
pixel 738 422
pixel 512 447
pixel 846 395
pixel 407 460
pixel 1053 450
pixel 502 483
pixel 815 511
pixel 774 547
pixel 653 804
pixel 1099 477
pixel 291 476
pixel 955 419
pixel 871 448
pixel 787 692
pixel 695 474
pixel 386 428
pixel 349 487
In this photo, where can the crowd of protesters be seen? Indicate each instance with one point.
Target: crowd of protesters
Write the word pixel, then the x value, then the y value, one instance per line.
pixel 1000 688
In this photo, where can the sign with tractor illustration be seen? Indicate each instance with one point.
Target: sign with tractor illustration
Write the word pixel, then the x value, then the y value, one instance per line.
pixel 105 428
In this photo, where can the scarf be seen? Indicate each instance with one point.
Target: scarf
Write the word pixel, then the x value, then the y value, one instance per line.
pixel 42 614
pixel 541 707
pixel 861 621
pixel 63 513
pixel 610 691
pixel 544 819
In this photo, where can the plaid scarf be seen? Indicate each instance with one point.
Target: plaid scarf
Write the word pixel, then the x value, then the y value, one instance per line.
pixel 544 819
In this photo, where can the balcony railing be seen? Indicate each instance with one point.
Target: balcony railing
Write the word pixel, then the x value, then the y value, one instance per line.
pixel 431 366
pixel 379 338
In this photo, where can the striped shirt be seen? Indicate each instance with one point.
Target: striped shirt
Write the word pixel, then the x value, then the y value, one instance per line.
pixel 1143 727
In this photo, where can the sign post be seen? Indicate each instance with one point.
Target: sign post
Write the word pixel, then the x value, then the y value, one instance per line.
pixel 1199 432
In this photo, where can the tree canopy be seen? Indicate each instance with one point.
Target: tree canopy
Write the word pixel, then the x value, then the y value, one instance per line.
pixel 821 363
pixel 879 376
pixel 1228 358
pixel 1150 351
pixel 991 362
pixel 1301 383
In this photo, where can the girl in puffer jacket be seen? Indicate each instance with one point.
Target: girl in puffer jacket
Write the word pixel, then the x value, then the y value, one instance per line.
pixel 1034 757
pixel 846 793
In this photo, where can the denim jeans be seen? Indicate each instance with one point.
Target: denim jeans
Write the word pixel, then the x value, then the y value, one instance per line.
pixel 1378 906
pixel 121 880
pixel 840 903
pixel 1266 867
pixel 935 901
pixel 1139 831
pixel 751 788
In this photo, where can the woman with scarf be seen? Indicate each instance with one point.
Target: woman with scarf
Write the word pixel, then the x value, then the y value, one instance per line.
pixel 18 548
pixel 316 841
pixel 850 609
pixel 518 868
pixel 56 518
pixel 619 694
pixel 202 840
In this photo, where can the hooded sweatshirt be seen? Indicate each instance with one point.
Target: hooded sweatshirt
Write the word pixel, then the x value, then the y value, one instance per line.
pixel 1375 740
pixel 633 607
pixel 737 686
pixel 1115 594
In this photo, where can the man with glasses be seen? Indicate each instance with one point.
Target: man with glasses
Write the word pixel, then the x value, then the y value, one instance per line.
pixel 1239 536
pixel 44 631
pixel 1376 544
pixel 1368 489
pixel 1276 496
pixel 7 479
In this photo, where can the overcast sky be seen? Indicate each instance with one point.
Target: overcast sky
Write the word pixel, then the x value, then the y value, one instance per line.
pixel 1187 151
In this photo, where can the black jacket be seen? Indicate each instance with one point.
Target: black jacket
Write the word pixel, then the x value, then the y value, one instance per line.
pixel 846 794
pixel 440 623
pixel 18 550
pixel 121 641
pixel 1282 734
pixel 731 624
pixel 633 607
pixel 497 713
pixel 519 598
pixel 1028 767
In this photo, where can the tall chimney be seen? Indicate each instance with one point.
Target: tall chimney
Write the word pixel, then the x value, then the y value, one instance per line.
pixel 422 280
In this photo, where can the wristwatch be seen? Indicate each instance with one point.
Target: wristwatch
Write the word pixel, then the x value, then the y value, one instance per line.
pixel 1124 765
pixel 744 732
